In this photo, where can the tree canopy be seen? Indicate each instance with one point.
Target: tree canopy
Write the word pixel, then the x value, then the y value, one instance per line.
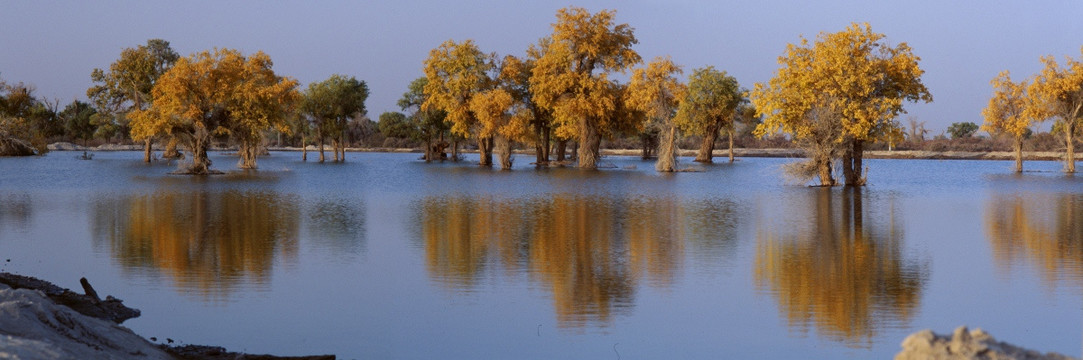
pixel 127 85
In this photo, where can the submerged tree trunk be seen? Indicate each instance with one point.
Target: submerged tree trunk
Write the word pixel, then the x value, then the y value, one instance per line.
pixel 342 149
pixel 485 151
pixel 428 149
pixel 826 178
pixel 1019 154
pixel 304 149
pixel 503 151
pixel 590 142
pixel 454 150
pixel 731 145
pixel 171 149
pixel 200 162
pixel 334 150
pixel 1069 142
pixel 248 152
pixel 851 164
pixel 649 142
pixel 146 150
pixel 561 146
pixel 706 148
pixel 667 149
pixel 320 147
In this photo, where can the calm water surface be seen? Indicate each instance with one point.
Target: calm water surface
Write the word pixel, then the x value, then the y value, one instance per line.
pixel 388 257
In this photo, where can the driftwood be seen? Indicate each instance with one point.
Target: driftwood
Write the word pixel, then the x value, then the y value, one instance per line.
pixel 89 304
pixel 200 352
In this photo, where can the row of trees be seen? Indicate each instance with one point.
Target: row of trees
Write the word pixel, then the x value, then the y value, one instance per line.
pixel 562 90
pixel 1055 93
pixel 833 95
pixel 153 94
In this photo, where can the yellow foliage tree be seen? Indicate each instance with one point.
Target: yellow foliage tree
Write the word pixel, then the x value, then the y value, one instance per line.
pixel 456 73
pixel 1009 112
pixel 657 92
pixel 571 78
pixel 852 73
pixel 1058 94
pixel 217 93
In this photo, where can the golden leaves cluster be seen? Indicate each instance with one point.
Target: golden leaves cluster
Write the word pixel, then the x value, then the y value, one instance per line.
pixel 219 91
pixel 852 72
pixel 1010 110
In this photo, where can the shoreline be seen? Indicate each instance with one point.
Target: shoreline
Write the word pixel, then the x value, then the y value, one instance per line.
pixel 724 153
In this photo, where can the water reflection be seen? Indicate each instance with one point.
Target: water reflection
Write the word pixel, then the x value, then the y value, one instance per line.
pixel 841 270
pixel 15 209
pixel 590 252
pixel 1041 229
pixel 208 243
pixel 337 225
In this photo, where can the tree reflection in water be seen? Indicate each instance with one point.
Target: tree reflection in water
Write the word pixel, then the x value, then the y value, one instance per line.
pixel 206 242
pixel 842 271
pixel 590 252
pixel 1044 230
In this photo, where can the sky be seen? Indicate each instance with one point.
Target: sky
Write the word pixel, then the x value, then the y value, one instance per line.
pixel 54 45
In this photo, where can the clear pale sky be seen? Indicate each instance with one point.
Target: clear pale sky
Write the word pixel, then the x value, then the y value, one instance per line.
pixel 962 44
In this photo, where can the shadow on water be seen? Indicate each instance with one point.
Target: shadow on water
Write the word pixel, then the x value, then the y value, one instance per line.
pixel 591 253
pixel 842 272
pixel 1039 229
pixel 209 243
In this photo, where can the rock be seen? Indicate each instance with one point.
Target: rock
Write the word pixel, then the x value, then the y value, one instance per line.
pixel 34 327
pixel 64 146
pixel 89 304
pixel 966 344
pixel 15 147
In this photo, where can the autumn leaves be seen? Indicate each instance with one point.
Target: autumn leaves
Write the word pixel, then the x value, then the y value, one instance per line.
pixel 1056 93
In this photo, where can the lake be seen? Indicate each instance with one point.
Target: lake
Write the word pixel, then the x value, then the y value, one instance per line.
pixel 388 257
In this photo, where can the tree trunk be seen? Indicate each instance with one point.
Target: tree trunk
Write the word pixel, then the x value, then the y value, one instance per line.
pixel 454 150
pixel 1069 142
pixel 304 148
pixel 321 150
pixel 826 178
pixel 647 140
pixel 485 151
pixel 1019 154
pixel 667 158
pixel 545 143
pixel 334 150
pixel 146 151
pixel 561 146
pixel 851 164
pixel 731 145
pixel 590 142
pixel 706 148
pixel 503 151
pixel 200 162
pixel 171 149
pixel 342 149
pixel 428 148
pixel 248 152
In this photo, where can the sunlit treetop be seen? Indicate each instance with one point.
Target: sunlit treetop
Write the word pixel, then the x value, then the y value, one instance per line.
pixel 1010 109
pixel 456 72
pixel 854 72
